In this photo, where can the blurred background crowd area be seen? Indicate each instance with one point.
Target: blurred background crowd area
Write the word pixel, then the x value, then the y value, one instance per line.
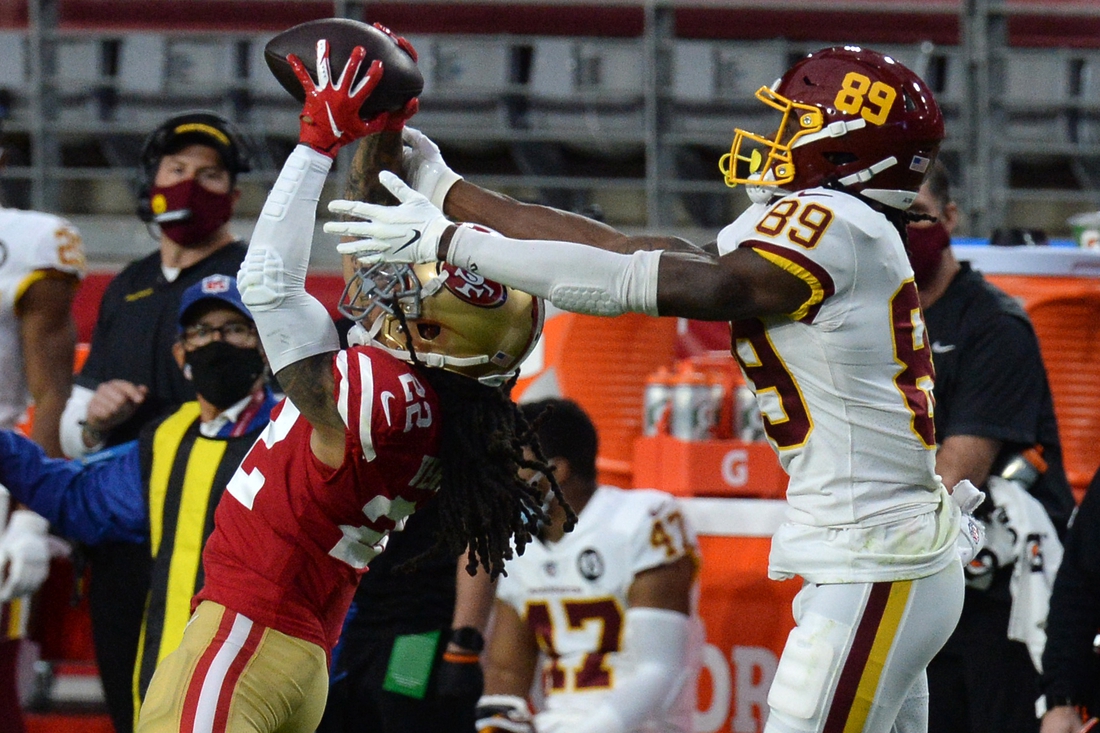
pixel 619 109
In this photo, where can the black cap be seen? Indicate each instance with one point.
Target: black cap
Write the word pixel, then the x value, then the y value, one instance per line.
pixel 196 127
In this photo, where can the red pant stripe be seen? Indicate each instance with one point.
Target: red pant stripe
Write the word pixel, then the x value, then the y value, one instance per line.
pixel 233 675
pixel 198 678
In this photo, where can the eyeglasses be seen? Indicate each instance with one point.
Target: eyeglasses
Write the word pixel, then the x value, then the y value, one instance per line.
pixel 235 332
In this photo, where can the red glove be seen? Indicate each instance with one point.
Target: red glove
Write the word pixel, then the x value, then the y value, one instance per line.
pixel 395 121
pixel 399 40
pixel 330 115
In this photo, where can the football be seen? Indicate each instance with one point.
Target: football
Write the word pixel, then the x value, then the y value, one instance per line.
pixel 401 78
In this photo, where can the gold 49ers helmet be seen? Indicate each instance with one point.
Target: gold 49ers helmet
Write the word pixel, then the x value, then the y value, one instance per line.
pixel 853 119
pixel 457 320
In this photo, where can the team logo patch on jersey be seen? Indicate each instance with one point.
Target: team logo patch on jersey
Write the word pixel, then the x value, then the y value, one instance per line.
pixel 473 288
pixel 550 568
pixel 590 564
pixel 3 253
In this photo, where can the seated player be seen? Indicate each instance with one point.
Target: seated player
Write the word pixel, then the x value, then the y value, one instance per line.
pixel 366 435
pixel 603 616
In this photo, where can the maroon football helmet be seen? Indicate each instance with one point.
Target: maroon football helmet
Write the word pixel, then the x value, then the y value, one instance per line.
pixel 853 118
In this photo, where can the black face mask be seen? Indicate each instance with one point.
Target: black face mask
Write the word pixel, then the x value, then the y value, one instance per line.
pixel 224 374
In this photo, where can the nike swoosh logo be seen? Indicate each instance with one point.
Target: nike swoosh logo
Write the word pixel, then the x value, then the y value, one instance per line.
pixel 332 122
pixel 387 398
pixel 415 238
pixel 938 348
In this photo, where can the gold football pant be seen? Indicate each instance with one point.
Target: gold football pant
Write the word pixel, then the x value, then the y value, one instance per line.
pixel 232 675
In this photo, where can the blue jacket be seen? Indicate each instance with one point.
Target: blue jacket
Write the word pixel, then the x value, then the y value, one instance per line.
pixel 100 500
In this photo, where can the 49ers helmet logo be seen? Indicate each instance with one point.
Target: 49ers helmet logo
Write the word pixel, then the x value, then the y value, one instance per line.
pixel 473 288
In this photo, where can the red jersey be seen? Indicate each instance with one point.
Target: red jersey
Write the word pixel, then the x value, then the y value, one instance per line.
pixel 292 535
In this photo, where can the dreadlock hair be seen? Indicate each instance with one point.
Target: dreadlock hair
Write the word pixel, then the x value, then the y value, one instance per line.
pixel 483 503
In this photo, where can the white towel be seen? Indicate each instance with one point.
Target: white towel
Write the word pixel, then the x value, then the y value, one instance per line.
pixel 1038 554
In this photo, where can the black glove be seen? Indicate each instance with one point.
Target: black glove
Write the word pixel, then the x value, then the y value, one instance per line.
pixel 459 683
pixel 460 676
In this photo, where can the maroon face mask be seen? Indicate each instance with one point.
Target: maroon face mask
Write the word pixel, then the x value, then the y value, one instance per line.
pixel 925 249
pixel 188 213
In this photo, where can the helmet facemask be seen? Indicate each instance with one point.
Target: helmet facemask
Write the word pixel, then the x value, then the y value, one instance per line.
pixel 777 169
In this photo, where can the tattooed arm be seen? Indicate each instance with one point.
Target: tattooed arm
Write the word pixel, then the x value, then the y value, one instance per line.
pixel 309 381
pixel 373 154
pixel 376 153
pixel 296 330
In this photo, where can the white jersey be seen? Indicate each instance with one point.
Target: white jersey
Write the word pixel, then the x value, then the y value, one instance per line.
pixel 32 244
pixel 845 388
pixel 573 594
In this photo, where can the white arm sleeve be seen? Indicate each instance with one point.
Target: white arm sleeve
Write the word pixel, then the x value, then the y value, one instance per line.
pixel 293 325
pixel 72 417
pixel 574 277
pixel 658 644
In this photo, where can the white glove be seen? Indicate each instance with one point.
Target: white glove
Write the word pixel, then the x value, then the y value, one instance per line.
pixel 503 714
pixel 971 539
pixel 407 233
pixel 560 721
pixel 425 169
pixel 24 555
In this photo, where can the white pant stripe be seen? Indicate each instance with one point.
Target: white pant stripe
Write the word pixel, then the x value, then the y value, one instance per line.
pixel 215 676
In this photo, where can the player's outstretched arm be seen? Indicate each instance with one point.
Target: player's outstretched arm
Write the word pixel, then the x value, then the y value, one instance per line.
pixel 573 277
pixel 429 174
pixel 298 335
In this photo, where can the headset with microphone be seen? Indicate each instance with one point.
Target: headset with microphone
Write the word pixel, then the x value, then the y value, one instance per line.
pixel 197 126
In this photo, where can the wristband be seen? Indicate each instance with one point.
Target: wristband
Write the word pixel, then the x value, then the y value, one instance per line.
pixel 467 637
pixel 1060 701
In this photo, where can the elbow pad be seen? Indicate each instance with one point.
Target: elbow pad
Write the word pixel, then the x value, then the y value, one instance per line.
pixel 574 277
pixel 292 324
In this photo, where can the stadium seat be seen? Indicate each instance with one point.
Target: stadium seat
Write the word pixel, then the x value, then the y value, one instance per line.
pixel 1036 88
pixel 13 61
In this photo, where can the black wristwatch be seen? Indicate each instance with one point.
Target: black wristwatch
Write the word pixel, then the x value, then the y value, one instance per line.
pixel 1056 701
pixel 467 637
